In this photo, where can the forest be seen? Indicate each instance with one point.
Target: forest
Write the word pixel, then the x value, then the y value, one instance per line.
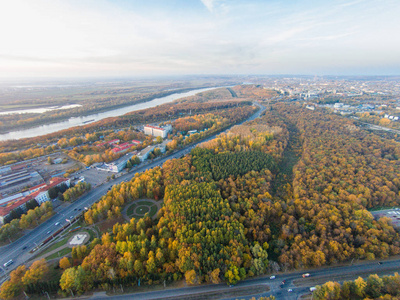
pixel 19 221
pixel 222 220
pixel 94 102
pixel 18 150
pixel 374 287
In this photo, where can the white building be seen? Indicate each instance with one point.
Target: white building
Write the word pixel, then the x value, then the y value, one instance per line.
pixel 117 165
pixel 157 131
pixel 144 154
pixel 58 160
pixel 42 197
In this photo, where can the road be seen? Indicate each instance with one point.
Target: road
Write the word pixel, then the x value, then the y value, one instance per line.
pixel 278 290
pixel 18 251
pixel 378 127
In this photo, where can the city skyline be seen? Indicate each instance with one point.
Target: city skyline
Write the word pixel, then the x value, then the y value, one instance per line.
pixel 133 38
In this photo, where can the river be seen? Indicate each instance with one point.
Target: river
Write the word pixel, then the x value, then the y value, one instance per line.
pixel 79 121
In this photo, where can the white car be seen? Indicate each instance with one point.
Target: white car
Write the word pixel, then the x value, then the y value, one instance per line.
pixel 58 223
pixel 272 277
pixel 290 290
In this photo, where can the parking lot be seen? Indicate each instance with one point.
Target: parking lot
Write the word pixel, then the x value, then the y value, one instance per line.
pixel 393 214
pixel 92 176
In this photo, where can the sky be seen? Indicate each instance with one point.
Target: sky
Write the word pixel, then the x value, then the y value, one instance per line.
pixel 108 38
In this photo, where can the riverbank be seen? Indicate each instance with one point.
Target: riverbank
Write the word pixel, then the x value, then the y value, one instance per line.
pixel 74 113
pixel 105 112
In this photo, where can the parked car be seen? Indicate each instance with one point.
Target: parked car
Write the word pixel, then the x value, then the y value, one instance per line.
pixel 306 275
pixel 272 277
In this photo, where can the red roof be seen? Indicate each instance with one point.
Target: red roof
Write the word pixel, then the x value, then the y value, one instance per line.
pixel 136 142
pixel 121 148
pixel 17 167
pixel 20 201
pixel 39 186
pixel 101 144
pixel 56 181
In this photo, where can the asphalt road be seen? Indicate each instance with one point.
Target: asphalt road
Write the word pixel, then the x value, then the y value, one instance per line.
pixel 301 286
pixel 18 251
pixel 277 289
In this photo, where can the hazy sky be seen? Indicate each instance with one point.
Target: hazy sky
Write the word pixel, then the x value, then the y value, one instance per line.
pixel 161 37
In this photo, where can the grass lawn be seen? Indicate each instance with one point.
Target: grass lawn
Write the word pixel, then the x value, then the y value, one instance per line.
pixel 130 209
pixel 92 234
pixel 149 207
pixel 145 203
pixel 153 210
pixel 59 254
pixel 65 239
pixel 60 243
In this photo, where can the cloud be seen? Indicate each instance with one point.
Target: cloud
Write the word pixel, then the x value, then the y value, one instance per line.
pixel 214 6
pixel 215 35
pixel 209 4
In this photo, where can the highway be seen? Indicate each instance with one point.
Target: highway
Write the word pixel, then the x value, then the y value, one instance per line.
pixel 18 251
pixel 293 280
pixel 300 287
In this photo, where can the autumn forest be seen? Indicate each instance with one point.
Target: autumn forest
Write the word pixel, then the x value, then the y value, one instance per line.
pixel 289 190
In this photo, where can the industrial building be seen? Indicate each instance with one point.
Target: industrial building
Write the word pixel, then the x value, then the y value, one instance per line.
pixel 13 180
pixel 39 193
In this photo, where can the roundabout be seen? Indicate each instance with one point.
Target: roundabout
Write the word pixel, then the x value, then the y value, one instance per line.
pixel 140 208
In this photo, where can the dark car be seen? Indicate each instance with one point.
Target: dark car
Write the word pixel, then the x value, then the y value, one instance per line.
pixel 24 247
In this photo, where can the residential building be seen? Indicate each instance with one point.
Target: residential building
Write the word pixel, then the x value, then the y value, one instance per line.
pixel 157 131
